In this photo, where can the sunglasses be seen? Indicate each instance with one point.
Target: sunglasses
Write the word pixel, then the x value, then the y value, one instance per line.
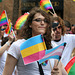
pixel 59 27
pixel 40 20
pixel 3 29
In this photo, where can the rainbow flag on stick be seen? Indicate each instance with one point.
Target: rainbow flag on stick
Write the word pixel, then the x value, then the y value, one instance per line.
pixel 20 21
pixel 33 49
pixel 47 6
pixel 70 67
pixel 53 53
pixel 3 18
pixel 9 28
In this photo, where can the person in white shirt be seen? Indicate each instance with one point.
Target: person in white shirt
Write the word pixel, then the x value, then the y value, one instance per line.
pixel 38 22
pixel 59 36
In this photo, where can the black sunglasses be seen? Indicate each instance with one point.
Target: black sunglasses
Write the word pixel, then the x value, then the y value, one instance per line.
pixel 59 27
pixel 3 29
pixel 40 20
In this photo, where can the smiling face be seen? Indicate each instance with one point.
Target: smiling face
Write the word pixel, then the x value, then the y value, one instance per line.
pixel 39 25
pixel 56 32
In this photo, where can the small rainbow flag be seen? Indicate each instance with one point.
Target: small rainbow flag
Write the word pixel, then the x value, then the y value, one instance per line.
pixel 0 17
pixel 70 67
pixel 3 19
pixel 9 28
pixel 46 4
pixel 33 49
pixel 21 20
pixel 54 53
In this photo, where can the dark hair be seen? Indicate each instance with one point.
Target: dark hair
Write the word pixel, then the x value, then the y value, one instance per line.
pixel 73 24
pixel 61 22
pixel 4 40
pixel 67 24
pixel 26 31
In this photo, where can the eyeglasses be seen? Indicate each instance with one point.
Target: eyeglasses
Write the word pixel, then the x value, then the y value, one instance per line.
pixel 40 20
pixel 3 29
pixel 59 27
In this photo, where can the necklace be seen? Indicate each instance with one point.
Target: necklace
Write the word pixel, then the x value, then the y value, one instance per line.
pixel 45 63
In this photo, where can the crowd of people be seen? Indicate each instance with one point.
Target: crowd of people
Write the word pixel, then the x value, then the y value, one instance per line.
pixel 55 31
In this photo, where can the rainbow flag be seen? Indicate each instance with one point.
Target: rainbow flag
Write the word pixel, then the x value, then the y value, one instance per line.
pixel 33 49
pixel 54 53
pixel 21 20
pixel 3 19
pixel 45 4
pixel 70 67
pixel 9 28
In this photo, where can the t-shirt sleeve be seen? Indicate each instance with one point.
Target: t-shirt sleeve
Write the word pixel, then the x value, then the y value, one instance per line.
pixel 14 50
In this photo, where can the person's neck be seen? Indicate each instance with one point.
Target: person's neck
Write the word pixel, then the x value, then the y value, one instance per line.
pixel 34 35
pixel 57 40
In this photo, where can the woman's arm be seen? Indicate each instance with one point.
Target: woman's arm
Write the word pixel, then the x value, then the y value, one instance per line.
pixel 9 65
pixel 7 44
pixel 4 47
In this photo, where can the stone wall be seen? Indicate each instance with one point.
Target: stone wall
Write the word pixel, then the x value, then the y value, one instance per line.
pixel 8 6
pixel 14 11
pixel 69 11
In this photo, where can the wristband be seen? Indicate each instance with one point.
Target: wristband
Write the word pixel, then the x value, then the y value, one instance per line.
pixel 8 43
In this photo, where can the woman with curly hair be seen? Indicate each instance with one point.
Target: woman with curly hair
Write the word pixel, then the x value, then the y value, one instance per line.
pixel 38 22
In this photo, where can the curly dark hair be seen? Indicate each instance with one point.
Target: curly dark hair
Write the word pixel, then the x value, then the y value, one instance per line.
pixel 61 22
pixel 26 31
pixel 4 40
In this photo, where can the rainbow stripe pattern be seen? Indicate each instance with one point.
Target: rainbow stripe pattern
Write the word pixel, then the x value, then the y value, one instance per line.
pixel 3 18
pixel 33 49
pixel 20 21
pixel 45 5
pixel 70 67
pixel 53 53
pixel 9 28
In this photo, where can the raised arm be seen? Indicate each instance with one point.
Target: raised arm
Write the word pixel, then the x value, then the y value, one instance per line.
pixel 7 44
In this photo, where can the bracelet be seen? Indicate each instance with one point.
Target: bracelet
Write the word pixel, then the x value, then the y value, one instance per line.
pixel 8 43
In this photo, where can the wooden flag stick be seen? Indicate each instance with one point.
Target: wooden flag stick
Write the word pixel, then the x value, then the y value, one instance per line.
pixel 50 12
pixel 53 10
pixel 52 7
pixel 50 64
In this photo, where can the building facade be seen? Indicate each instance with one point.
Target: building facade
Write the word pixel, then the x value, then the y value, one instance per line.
pixel 15 8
